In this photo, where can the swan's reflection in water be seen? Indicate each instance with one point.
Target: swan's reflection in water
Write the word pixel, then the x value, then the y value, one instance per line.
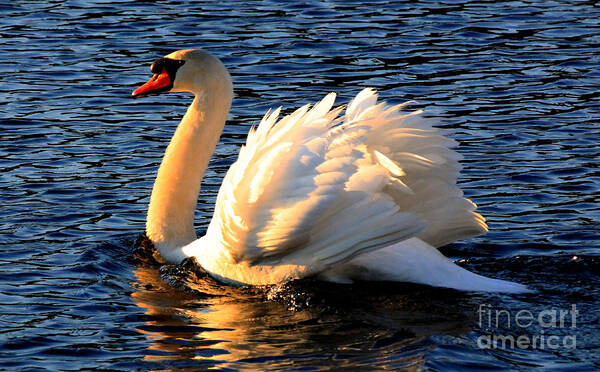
pixel 207 325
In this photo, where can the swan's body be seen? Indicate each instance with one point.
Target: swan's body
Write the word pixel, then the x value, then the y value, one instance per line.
pixel 365 195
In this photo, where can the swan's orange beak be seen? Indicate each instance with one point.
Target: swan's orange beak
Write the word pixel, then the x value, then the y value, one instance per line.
pixel 158 83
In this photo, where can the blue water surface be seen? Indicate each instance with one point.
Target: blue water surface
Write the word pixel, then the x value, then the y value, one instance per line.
pixel 515 82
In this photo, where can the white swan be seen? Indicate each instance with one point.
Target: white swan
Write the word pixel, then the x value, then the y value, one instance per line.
pixel 365 195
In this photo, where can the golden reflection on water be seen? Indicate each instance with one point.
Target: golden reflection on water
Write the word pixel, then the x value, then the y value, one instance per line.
pixel 225 327
pixel 237 328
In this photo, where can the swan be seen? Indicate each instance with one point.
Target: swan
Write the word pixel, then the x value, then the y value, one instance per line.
pixel 365 193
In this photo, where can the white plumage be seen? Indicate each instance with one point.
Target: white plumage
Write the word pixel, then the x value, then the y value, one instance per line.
pixel 365 193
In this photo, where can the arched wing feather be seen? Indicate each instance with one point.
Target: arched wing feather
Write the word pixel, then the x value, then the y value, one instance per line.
pixel 429 168
pixel 318 188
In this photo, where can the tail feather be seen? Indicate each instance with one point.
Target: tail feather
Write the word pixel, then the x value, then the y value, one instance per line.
pixel 415 261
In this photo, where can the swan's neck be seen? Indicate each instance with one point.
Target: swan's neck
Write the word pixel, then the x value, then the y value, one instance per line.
pixel 170 220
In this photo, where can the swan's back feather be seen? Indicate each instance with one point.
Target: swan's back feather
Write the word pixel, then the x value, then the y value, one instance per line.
pixel 318 189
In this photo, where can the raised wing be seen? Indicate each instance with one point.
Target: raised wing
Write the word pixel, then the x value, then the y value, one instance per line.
pixel 429 168
pixel 316 189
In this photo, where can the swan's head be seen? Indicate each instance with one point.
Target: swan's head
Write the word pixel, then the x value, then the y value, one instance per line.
pixel 190 70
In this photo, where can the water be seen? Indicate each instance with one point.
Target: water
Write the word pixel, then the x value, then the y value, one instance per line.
pixel 515 82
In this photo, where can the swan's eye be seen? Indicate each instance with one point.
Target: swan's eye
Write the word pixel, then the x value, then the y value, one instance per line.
pixel 170 64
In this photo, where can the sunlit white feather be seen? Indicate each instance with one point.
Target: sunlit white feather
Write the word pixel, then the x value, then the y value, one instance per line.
pixel 313 190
